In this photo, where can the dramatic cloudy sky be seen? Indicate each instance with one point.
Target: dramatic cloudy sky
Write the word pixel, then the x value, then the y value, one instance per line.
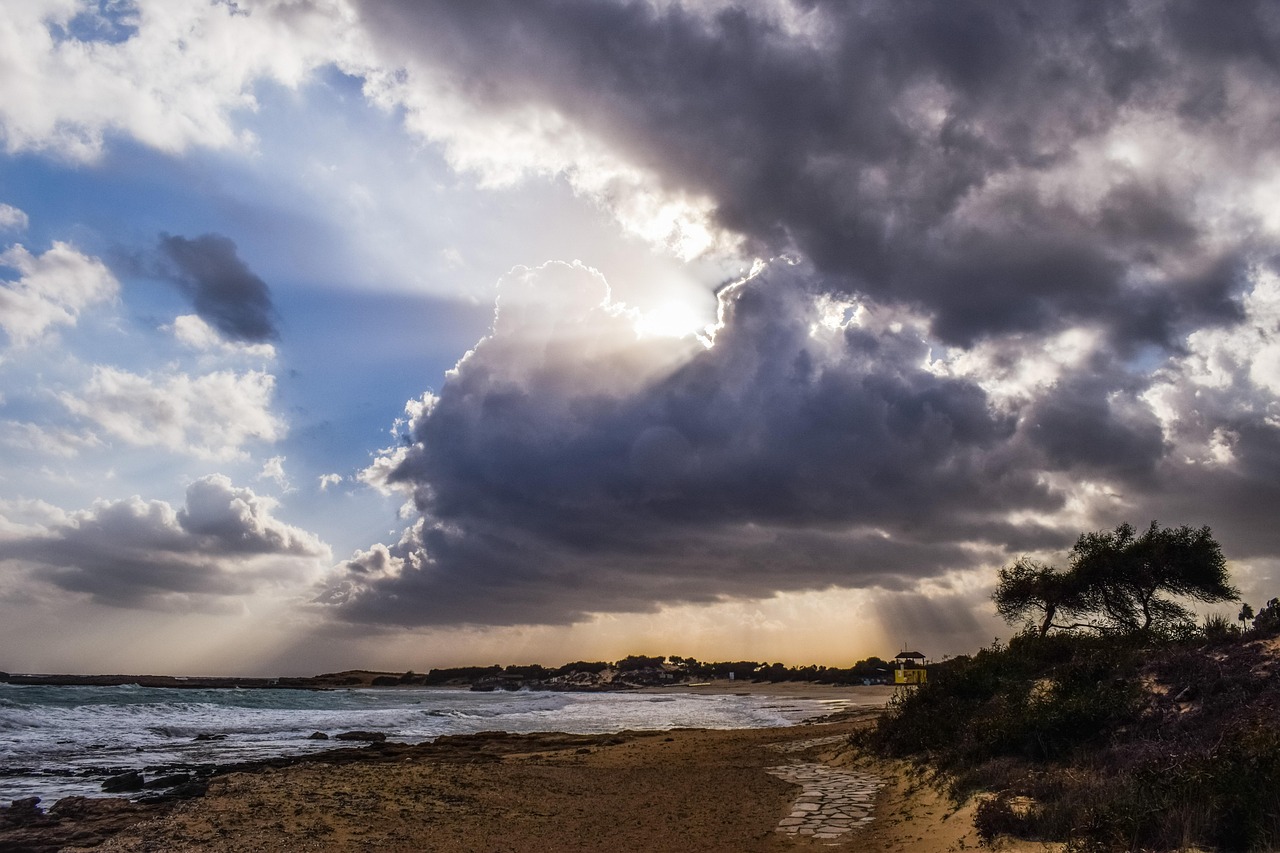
pixel 404 333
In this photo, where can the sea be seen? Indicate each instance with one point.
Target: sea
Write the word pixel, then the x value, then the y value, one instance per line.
pixel 65 741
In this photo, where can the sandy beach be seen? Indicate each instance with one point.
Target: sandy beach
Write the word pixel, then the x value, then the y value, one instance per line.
pixel 682 790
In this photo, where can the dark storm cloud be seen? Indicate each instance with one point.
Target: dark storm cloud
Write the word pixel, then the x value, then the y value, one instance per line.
pixel 137 553
pixel 764 426
pixel 223 290
pixel 1044 209
pixel 556 480
pixel 1237 496
pixel 1087 423
pixel 899 146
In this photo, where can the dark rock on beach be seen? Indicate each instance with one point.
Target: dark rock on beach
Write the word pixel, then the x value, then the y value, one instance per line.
pixel 78 821
pixel 22 812
pixel 124 783
pixel 184 791
pixel 187 790
pixel 317 736
pixel 368 737
pixel 170 781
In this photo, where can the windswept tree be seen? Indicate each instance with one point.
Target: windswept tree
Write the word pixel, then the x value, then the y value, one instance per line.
pixel 1040 595
pixel 1119 582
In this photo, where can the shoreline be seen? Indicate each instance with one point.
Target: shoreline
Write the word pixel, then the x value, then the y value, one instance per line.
pixel 97 817
pixel 660 791
pixel 710 790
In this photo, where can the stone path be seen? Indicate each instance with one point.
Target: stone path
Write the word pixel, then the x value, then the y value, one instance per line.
pixel 832 802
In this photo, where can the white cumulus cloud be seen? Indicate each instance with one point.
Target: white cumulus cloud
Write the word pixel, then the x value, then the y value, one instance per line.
pixel 170 73
pixel 273 470
pixel 213 416
pixel 46 440
pixel 147 554
pixel 193 332
pixel 51 290
pixel 12 219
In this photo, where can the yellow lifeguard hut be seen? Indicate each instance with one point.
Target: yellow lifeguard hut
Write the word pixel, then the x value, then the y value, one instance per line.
pixel 911 668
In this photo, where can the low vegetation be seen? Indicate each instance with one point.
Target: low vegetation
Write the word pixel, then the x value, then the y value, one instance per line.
pixel 1107 729
pixel 680 669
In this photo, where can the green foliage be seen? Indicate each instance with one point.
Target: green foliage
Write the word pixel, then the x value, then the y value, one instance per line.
pixel 996 816
pixel 1119 582
pixel 1106 741
pixel 634 662
pixel 871 669
pixel 461 673
pixel 532 671
pixel 1134 579
pixel 594 667
pixel 1040 699
pixel 1267 622
pixel 1031 592
pixel 1218 628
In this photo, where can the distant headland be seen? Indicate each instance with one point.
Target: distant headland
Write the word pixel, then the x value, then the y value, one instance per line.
pixel 629 673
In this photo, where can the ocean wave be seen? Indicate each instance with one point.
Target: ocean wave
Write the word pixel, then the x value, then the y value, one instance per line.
pixel 10 723
pixel 67 730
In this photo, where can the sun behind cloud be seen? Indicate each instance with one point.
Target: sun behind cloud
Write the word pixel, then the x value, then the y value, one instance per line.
pixel 672 320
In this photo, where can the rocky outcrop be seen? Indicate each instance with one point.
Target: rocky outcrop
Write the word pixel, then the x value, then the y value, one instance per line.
pixel 170 781
pixel 125 783
pixel 79 821
pixel 367 737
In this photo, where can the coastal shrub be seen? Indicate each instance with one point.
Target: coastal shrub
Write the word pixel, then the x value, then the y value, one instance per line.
pixel 1245 787
pixel 1267 622
pixel 1039 698
pixel 529 672
pixel 1157 798
pixel 1107 743
pixel 740 668
pixel 995 816
pixel 1218 628
pixel 594 667
pixel 634 662
pixel 461 673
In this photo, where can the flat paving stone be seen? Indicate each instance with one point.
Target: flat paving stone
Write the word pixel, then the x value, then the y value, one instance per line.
pixel 833 802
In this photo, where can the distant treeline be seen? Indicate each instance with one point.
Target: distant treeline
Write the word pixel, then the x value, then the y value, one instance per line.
pixel 684 668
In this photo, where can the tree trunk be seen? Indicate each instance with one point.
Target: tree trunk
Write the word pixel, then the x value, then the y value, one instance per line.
pixel 1049 611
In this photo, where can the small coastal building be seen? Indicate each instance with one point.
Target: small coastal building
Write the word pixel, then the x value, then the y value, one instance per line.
pixel 910 669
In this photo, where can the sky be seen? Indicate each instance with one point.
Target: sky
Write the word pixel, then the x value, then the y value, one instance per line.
pixel 412 333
